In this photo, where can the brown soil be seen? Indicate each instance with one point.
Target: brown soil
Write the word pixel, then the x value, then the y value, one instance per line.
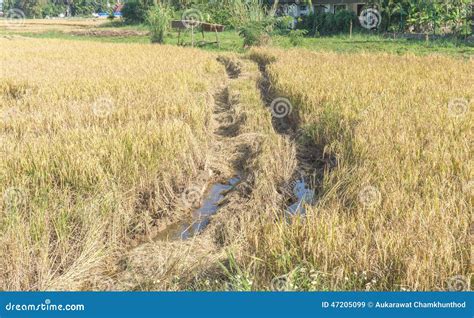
pixel 108 33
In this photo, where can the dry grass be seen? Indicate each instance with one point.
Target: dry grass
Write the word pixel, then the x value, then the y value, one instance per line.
pixel 64 22
pixel 396 211
pixel 97 140
pixel 48 25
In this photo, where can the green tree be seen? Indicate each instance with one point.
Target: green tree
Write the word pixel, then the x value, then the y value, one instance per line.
pixel 158 19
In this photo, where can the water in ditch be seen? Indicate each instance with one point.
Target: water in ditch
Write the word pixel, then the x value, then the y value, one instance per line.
pixel 305 196
pixel 201 217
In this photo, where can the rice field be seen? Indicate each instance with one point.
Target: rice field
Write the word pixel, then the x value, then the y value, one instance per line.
pixel 96 139
pixel 101 142
pixel 395 213
pixel 38 26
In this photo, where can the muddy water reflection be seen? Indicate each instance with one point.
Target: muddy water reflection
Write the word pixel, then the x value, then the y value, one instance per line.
pixel 186 229
pixel 305 196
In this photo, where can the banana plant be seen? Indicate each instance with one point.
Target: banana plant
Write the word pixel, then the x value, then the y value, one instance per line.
pixel 458 15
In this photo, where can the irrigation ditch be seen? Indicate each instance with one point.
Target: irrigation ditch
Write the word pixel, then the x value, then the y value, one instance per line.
pixel 192 247
pixel 312 163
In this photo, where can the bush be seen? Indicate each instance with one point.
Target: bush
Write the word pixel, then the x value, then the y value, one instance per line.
pixel 253 22
pixel 254 35
pixel 328 23
pixel 342 20
pixel 85 7
pixel 296 37
pixel 52 10
pixel 283 24
pixel 135 11
pixel 158 19
pixel 215 12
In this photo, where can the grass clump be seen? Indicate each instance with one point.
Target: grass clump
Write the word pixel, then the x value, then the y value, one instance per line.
pixel 159 19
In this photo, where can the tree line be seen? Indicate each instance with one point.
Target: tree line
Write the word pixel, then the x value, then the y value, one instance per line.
pixel 426 16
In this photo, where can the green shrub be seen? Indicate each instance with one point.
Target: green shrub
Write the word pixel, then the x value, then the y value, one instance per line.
pixel 328 23
pixel 283 24
pixel 342 20
pixel 253 21
pixel 135 11
pixel 52 10
pixel 159 19
pixel 215 12
pixel 296 37
pixel 85 7
pixel 253 35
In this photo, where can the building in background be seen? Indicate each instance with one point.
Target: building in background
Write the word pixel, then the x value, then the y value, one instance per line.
pixel 297 8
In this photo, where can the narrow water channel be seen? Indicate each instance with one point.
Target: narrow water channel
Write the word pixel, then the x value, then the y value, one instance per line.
pixel 201 217
pixel 303 187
